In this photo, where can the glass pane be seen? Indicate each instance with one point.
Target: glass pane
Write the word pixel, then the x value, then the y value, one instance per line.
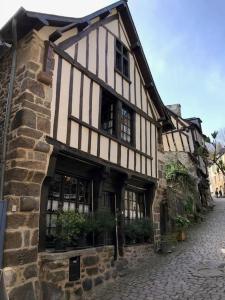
pixel 119 61
pixel 118 45
pixel 65 206
pixel 80 208
pixel 72 206
pixel 55 205
pixel 53 220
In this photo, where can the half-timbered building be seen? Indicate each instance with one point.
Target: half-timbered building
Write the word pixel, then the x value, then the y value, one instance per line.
pixel 84 128
pixel 186 143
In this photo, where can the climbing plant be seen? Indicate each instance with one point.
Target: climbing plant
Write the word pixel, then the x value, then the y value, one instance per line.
pixel 178 177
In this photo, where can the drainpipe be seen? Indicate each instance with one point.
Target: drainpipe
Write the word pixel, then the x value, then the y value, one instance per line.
pixel 6 127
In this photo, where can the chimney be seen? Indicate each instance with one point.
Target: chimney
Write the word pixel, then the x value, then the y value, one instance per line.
pixel 176 108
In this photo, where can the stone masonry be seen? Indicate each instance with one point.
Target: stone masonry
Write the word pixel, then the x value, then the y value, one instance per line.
pixel 27 162
pixel 96 267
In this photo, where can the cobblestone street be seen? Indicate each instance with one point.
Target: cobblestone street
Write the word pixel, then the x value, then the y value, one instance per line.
pixel 195 270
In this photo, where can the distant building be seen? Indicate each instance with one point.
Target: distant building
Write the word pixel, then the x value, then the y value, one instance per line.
pixel 217 179
pixel 185 144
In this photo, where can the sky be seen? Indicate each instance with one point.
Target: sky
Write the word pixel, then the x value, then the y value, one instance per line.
pixel 184 42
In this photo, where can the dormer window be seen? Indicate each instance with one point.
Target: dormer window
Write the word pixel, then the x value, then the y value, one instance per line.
pixel 122 60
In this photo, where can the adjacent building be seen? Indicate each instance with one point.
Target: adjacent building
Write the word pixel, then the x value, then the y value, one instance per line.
pixel 217 179
pixel 84 134
pixel 186 144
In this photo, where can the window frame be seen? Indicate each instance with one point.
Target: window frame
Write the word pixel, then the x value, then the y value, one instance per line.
pixel 138 194
pixel 117 119
pixel 125 107
pixel 62 199
pixel 123 57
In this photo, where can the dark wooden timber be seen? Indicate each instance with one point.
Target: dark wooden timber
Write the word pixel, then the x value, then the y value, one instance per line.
pixel 106 56
pixel 168 142
pixel 146 137
pixel 90 102
pixel 141 134
pixel 74 39
pixel 76 52
pixel 109 149
pixel 87 52
pixel 63 148
pixel 135 91
pixel 57 100
pixel 175 144
pixel 97 52
pixel 156 149
pixel 103 84
pixel 79 136
pixel 70 106
pixel 89 141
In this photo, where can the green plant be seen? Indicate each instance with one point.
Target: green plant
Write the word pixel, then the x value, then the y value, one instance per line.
pixel 130 232
pixel 178 176
pixel 182 222
pixel 103 221
pixel 69 224
pixel 138 230
pixel 188 207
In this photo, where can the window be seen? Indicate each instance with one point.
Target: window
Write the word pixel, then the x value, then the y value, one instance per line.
pixel 107 114
pixel 122 61
pixel 135 207
pixel 66 193
pixel 116 118
pixel 126 124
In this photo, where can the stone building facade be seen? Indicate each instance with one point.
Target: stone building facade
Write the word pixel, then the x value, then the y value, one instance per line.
pixel 27 163
pixel 186 144
pixel 41 145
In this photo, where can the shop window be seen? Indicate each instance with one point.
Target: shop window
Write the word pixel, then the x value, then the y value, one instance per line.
pixel 135 207
pixel 122 60
pixel 66 193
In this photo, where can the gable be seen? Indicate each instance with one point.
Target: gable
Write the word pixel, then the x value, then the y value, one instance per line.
pixel 94 49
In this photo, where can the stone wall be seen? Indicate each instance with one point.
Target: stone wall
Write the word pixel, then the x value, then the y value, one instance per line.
pixel 159 197
pixel 5 69
pixel 27 162
pixel 135 254
pixel 96 267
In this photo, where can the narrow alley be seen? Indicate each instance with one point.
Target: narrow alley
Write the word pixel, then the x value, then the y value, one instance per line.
pixel 195 270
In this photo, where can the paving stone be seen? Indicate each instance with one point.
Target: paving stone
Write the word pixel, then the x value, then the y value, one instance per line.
pixel 194 271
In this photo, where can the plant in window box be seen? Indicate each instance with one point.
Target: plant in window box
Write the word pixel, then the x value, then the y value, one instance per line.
pixel 182 224
pixel 69 226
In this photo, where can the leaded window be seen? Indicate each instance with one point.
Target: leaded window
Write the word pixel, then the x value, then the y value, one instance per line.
pixel 107 114
pixel 66 193
pixel 135 207
pixel 126 124
pixel 122 60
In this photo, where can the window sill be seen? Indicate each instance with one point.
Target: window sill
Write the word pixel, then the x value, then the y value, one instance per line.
pixel 122 75
pixel 118 140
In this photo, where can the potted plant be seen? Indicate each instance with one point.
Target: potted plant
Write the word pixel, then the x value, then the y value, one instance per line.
pixel 69 226
pixel 182 223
